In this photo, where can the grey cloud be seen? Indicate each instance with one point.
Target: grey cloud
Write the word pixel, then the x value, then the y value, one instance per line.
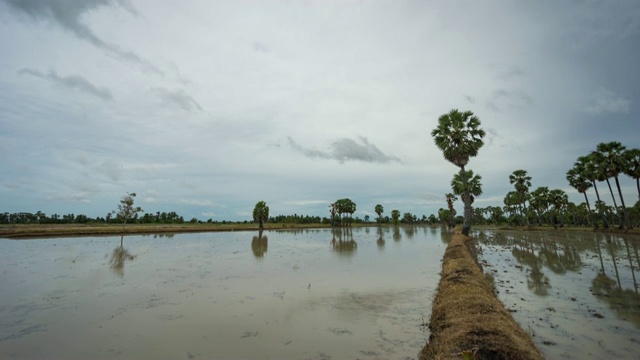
pixel 345 149
pixel 260 47
pixel 510 73
pixel 501 98
pixel 110 169
pixel 76 82
pixel 68 13
pixel 179 98
pixel 605 101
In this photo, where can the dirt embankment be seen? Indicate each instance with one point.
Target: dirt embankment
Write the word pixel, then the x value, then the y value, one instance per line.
pixel 468 321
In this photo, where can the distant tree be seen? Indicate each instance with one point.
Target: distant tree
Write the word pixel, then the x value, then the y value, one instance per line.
pixel 345 206
pixel 126 209
pixel 452 212
pixel 261 213
pixel 379 210
pixel 559 200
pixel 522 182
pixel 459 136
pixel 395 216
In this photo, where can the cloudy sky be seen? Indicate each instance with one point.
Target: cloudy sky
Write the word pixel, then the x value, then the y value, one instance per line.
pixel 206 107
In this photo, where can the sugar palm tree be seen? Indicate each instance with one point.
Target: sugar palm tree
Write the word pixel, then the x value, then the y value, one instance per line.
pixel 577 180
pixel 379 210
pixel 522 182
pixel 540 201
pixel 615 162
pixel 452 212
pixel 592 173
pixel 261 213
pixel 472 188
pixel 559 200
pixel 459 137
pixel 633 166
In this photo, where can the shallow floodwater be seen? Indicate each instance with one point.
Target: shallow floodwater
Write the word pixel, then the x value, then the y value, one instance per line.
pixel 306 294
pixel 576 293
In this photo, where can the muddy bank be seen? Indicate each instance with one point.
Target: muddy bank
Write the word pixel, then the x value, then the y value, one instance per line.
pixel 467 318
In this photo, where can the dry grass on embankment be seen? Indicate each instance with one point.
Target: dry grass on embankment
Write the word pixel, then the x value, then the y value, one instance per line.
pixel 468 320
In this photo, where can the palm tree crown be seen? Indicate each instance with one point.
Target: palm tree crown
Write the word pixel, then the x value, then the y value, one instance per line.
pixel 459 136
pixel 473 186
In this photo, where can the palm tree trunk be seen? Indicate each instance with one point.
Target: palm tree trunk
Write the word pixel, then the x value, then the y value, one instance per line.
pixel 624 208
pixel 468 211
pixel 615 204
pixel 589 209
pixel 605 224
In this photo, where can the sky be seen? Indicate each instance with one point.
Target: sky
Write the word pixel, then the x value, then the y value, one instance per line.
pixel 206 107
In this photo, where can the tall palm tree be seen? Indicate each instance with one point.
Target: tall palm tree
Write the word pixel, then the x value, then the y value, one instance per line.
pixel 633 168
pixel 261 213
pixel 379 210
pixel 522 182
pixel 615 162
pixel 459 137
pixel 579 182
pixel 472 188
pixel 592 173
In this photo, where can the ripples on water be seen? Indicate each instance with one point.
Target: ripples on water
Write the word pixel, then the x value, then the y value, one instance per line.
pixel 307 294
pixel 576 292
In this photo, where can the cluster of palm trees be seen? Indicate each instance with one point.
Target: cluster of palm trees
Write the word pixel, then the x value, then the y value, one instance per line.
pixel 545 206
pixel 608 161
pixel 342 207
pixel 459 137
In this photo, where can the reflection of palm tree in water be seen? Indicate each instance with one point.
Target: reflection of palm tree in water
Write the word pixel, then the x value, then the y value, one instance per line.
pixel 396 234
pixel 380 241
pixel 633 274
pixel 524 253
pixel 118 258
pixel 346 245
pixel 625 303
pixel 613 257
pixel 259 245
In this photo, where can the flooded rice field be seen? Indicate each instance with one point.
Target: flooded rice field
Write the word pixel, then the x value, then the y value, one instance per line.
pixel 576 293
pixel 309 294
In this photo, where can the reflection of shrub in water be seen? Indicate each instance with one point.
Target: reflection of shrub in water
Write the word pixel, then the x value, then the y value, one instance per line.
pixel 118 258
pixel 259 245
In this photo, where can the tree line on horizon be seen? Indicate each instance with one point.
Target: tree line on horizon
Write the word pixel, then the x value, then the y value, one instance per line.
pixel 459 136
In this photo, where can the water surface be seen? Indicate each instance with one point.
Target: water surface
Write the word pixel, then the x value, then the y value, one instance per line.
pixel 310 294
pixel 575 292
